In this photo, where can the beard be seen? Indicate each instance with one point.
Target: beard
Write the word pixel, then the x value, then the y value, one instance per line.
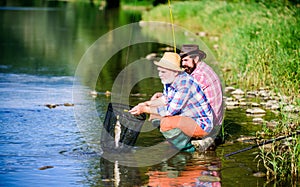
pixel 189 69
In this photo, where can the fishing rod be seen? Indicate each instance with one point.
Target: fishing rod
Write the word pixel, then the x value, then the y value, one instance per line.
pixel 263 143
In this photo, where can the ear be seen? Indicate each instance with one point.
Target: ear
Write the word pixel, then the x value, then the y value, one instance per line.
pixel 196 59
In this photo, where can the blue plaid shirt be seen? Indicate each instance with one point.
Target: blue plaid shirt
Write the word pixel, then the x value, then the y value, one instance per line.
pixel 185 97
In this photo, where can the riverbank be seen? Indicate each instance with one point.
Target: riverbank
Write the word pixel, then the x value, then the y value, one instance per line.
pixel 257 46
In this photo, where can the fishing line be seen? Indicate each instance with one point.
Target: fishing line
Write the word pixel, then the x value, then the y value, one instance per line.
pixel 172 22
pixel 128 51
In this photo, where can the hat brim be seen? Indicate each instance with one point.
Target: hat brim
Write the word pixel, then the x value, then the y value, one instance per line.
pixel 201 54
pixel 167 65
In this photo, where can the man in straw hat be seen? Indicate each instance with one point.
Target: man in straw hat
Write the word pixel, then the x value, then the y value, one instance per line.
pixel 183 108
pixel 193 64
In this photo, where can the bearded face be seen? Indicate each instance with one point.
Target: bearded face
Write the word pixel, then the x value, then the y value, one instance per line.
pixel 188 64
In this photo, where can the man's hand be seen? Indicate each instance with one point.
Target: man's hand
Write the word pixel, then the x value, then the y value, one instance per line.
pixel 156 96
pixel 139 109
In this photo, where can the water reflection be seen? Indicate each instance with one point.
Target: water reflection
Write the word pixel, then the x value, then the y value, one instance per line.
pixel 187 169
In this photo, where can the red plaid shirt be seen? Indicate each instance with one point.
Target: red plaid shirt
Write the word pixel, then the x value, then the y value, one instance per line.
pixel 212 88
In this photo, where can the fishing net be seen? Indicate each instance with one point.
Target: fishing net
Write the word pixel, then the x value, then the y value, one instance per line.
pixel 130 127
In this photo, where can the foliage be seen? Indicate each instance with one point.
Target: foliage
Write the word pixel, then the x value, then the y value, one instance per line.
pixel 257 43
pixel 282 159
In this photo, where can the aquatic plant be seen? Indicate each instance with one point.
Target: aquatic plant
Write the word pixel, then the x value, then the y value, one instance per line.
pixel 281 159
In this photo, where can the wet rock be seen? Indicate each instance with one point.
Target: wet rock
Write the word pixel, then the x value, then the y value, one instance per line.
pixel 45 167
pixel 246 139
pixel 228 99
pixel 290 108
pixel 51 105
pixel 94 93
pixel 238 92
pixel 259 174
pixel 263 93
pixel 68 104
pixel 229 89
pixel 258 120
pixel 232 103
pixel 243 103
pixel 238 97
pixel 255 104
pixel 255 111
pixel 207 178
pixel 252 94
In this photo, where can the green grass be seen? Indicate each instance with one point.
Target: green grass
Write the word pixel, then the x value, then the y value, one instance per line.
pixel 258 44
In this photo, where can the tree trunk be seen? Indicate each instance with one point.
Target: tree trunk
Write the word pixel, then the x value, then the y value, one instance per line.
pixel 112 3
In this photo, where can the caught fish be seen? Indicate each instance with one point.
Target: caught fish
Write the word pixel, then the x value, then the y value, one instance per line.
pixel 117 132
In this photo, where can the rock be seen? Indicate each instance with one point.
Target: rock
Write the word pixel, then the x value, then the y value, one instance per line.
pixel 252 94
pixel 238 97
pixel 290 108
pixel 255 104
pixel 207 178
pixel 258 120
pixel 263 94
pixel 51 105
pixel 238 92
pixel 94 93
pixel 68 104
pixel 232 103
pixel 228 99
pixel 243 104
pixel 45 167
pixel 255 111
pixel 246 139
pixel 259 174
pixel 229 89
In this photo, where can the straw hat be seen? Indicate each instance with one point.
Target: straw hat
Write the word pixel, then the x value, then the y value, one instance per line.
pixel 170 61
pixel 192 49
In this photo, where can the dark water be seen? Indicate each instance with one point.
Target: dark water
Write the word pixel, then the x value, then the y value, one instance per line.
pixel 40 49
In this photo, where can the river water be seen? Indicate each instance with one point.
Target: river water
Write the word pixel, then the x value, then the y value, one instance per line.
pixel 41 49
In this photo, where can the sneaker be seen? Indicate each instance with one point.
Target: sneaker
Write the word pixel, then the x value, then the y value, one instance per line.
pixel 204 144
